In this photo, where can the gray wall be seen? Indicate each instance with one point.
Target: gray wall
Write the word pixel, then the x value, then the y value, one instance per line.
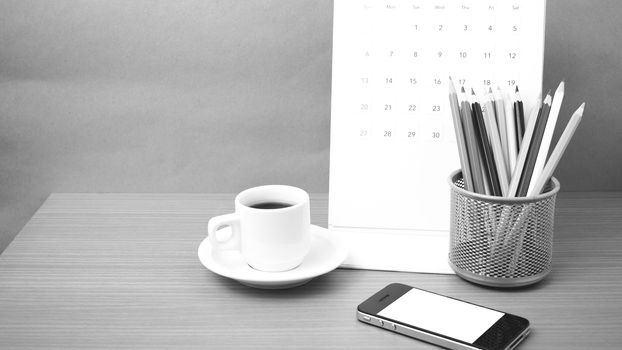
pixel 145 96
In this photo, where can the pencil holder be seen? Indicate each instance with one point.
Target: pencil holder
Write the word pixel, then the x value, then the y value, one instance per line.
pixel 501 242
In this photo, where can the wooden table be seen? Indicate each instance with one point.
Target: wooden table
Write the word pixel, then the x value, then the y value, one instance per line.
pixel 121 271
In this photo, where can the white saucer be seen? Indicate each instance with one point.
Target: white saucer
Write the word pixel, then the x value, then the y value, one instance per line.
pixel 326 254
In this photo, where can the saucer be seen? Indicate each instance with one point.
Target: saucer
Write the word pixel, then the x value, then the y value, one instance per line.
pixel 326 254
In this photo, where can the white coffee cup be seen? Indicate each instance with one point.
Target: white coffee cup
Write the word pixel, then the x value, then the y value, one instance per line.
pixel 268 239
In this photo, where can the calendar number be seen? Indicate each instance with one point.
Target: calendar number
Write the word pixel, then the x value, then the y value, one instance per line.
pixel 387 107
pixel 512 55
pixel 413 81
pixel 363 133
pixel 364 107
pixel 387 133
pixel 437 81
pixel 411 134
pixel 463 54
pixel 461 81
pixel 436 135
pixel 487 55
pixel 365 80
pixel 436 108
pixel 388 80
pixel 511 82
pixel 412 108
pixel 486 82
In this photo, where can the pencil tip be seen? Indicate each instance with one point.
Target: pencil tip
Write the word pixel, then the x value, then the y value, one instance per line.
pixel 462 89
pixel 452 87
pixel 579 112
pixel 516 90
pixel 561 86
pixel 472 91
pixel 450 78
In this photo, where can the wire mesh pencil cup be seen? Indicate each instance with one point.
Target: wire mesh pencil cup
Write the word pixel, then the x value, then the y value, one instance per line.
pixel 501 242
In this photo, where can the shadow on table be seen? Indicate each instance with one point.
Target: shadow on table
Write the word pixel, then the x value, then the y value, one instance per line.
pixel 322 284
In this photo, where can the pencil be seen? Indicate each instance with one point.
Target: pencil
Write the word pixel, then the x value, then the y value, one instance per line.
pixel 460 140
pixel 488 106
pixel 547 138
pixel 491 98
pixel 500 109
pixel 559 150
pixel 524 148
pixel 495 141
pixel 519 117
pixel 511 132
pixel 471 142
pixel 534 147
pixel 488 162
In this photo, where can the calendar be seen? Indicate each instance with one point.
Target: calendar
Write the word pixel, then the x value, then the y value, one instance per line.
pixel 392 139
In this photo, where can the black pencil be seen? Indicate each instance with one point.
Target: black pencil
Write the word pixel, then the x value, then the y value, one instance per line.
pixel 534 147
pixel 472 144
pixel 490 168
pixel 519 117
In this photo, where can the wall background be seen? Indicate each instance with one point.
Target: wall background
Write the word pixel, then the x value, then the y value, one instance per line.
pixel 217 96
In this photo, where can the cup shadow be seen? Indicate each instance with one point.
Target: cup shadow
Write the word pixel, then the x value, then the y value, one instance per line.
pixel 322 284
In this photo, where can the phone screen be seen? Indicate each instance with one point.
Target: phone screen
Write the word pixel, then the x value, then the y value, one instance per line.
pixel 442 315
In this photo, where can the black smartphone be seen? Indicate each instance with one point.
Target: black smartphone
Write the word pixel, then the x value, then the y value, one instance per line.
pixel 441 320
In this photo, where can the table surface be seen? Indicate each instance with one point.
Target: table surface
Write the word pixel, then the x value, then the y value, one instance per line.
pixel 121 271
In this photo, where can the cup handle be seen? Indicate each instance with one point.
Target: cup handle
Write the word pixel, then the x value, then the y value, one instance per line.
pixel 216 223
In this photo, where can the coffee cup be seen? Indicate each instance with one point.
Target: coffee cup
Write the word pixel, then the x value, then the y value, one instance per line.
pixel 270 227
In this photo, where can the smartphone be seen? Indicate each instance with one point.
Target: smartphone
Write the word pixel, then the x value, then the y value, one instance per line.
pixel 441 320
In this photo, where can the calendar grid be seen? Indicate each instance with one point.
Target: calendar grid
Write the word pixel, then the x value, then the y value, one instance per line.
pixel 392 140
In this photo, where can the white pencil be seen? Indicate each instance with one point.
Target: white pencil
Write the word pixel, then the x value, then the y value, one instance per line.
pixel 460 139
pixel 503 132
pixel 524 148
pixel 559 150
pixel 487 102
pixel 546 139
